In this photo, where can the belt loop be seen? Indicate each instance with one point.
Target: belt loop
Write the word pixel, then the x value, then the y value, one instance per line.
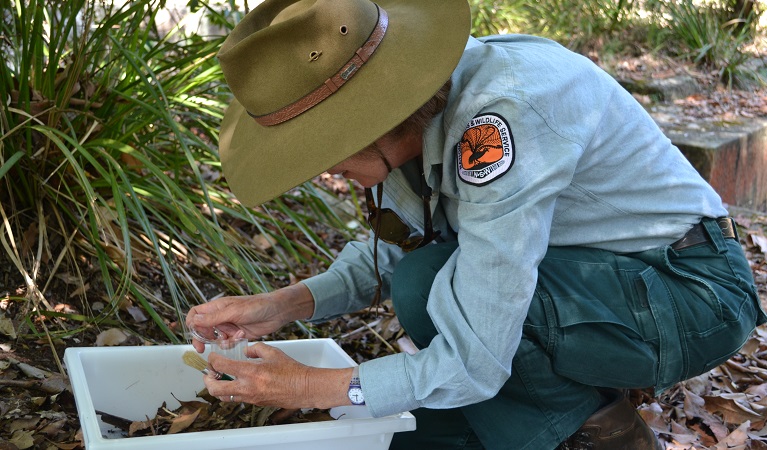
pixel 734 228
pixel 715 234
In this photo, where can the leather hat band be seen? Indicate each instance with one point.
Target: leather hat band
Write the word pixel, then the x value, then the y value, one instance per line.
pixel 333 83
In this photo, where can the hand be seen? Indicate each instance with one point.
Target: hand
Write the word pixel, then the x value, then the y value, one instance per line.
pixel 278 380
pixel 243 316
pixel 251 315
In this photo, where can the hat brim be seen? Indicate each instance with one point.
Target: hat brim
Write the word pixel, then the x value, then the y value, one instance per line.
pixel 422 46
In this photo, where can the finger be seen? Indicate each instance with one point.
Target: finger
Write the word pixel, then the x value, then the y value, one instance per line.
pixel 222 323
pixel 261 350
pixel 214 312
pixel 203 335
pixel 228 331
pixel 216 387
pixel 223 364
pixel 193 311
pixel 199 346
pixel 255 351
pixel 199 310
pixel 206 320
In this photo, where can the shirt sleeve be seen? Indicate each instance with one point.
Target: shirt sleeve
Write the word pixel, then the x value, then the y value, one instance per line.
pixel 349 284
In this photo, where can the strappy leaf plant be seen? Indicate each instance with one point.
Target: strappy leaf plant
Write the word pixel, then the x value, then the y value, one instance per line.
pixel 110 184
pixel 571 22
pixel 496 16
pixel 714 34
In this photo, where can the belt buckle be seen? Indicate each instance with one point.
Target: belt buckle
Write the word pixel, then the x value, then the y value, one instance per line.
pixel 727 225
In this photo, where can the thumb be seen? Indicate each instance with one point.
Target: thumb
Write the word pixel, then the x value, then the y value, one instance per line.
pixel 263 351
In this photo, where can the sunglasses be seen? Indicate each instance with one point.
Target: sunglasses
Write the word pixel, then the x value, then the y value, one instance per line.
pixel 390 228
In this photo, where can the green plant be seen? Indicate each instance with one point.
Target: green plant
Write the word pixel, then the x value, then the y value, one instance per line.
pixel 110 177
pixel 496 16
pixel 578 24
pixel 573 23
pixel 712 34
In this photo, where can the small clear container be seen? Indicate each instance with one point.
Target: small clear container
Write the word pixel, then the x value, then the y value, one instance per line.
pixel 193 333
pixel 232 348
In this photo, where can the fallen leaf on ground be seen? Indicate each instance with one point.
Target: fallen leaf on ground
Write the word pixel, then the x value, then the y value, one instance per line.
pixel 111 337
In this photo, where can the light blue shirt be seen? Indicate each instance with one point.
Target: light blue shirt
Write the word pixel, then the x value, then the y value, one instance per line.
pixel 590 168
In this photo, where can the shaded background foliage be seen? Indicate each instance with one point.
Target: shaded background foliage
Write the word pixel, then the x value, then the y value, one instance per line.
pixel 110 172
pixel 111 195
pixel 720 34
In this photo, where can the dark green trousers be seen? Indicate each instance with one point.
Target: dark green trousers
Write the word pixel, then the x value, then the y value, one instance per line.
pixel 597 319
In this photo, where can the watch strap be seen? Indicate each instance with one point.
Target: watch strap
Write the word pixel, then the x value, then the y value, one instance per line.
pixel 355 388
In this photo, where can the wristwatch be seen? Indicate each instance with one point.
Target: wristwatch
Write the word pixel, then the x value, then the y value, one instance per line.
pixel 355 389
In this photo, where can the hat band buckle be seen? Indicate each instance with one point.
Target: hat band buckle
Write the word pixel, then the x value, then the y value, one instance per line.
pixel 334 83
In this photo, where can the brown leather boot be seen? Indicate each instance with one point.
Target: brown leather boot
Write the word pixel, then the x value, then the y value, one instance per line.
pixel 614 426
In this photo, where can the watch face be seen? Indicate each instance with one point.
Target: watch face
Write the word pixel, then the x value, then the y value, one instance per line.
pixel 355 395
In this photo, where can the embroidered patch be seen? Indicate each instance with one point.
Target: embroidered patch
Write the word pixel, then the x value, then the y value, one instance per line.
pixel 486 150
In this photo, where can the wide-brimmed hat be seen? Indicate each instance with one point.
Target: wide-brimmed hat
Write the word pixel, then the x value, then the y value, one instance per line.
pixel 316 81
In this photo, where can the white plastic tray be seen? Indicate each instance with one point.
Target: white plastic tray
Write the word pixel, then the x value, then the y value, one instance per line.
pixel 132 382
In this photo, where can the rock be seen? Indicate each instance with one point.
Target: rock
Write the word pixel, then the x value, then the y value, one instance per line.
pixel 663 89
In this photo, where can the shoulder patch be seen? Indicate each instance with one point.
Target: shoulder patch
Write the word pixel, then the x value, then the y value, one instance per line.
pixel 486 150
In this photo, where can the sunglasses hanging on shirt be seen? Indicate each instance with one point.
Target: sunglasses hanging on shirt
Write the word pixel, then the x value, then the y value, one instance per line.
pixel 390 228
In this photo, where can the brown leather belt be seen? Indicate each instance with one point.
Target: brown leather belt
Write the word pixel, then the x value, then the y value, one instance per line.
pixel 698 235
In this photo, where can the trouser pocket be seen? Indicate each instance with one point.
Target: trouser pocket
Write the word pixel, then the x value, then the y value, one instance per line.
pixel 704 306
pixel 588 315
pixel 641 320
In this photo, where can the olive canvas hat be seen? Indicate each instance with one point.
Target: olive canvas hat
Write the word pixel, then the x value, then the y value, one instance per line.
pixel 316 81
